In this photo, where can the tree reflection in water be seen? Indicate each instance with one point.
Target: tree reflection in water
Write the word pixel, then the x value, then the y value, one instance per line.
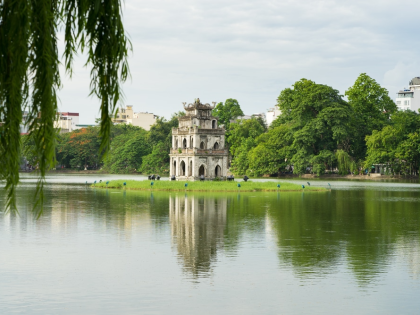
pixel 358 231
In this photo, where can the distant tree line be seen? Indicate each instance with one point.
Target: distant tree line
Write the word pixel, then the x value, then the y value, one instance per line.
pixel 132 148
pixel 318 131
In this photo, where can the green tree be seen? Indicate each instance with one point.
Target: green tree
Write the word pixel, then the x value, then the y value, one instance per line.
pixel 241 130
pixel 30 78
pixel 372 109
pixel 397 144
pixel 157 161
pixel 272 153
pixel 228 111
pixel 127 150
pixel 319 120
pixel 80 148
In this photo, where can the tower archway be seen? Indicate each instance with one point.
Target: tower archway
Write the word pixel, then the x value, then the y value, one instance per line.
pixel 182 168
pixel 184 143
pixel 202 146
pixel 218 171
pixel 174 169
pixel 202 171
pixel 190 169
pixel 216 146
pixel 213 124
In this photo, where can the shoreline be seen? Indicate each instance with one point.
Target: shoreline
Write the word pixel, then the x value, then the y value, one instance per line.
pixel 208 186
pixel 371 177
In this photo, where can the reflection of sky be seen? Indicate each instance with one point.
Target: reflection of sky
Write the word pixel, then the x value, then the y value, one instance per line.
pixel 94 252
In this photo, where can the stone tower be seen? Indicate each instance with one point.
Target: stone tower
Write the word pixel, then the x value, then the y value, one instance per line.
pixel 198 145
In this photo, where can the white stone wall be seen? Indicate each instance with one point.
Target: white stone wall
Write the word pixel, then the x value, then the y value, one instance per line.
pixel 193 164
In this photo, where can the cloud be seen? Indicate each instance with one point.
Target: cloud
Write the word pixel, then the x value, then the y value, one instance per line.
pixel 251 50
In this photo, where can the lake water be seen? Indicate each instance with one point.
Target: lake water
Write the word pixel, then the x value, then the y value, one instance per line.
pixel 354 250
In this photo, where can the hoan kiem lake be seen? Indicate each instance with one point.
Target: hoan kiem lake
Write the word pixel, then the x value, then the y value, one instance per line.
pixel 352 250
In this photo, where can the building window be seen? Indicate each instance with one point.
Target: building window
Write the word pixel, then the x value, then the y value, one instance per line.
pixel 202 145
pixel 398 102
pixel 216 146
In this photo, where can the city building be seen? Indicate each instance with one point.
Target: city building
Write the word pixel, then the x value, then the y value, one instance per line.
pixel 127 116
pixel 67 122
pixel 272 114
pixel 198 145
pixel 409 98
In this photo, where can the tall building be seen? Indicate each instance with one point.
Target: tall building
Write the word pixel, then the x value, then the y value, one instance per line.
pixel 409 99
pixel 198 145
pixel 272 114
pixel 67 122
pixel 127 116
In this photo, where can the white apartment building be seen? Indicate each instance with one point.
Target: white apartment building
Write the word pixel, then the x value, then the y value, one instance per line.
pixel 67 122
pixel 409 99
pixel 127 116
pixel 272 114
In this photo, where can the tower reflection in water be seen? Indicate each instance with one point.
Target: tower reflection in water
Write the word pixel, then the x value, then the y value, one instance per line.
pixel 197 225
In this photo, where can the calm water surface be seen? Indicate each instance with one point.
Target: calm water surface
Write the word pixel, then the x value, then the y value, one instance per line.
pixel 354 250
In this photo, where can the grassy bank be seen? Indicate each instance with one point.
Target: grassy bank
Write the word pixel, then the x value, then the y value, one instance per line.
pixel 205 186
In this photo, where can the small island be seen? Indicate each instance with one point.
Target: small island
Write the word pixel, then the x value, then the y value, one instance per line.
pixel 206 186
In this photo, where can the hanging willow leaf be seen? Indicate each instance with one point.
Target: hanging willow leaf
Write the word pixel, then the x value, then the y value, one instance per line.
pixel 29 63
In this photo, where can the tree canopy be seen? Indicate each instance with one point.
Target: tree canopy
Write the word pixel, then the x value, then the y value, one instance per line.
pixel 29 76
pixel 228 111
pixel 372 108
pixel 319 120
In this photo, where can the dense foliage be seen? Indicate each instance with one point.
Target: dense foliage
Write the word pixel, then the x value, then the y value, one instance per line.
pixel 228 111
pixel 318 132
pixel 132 149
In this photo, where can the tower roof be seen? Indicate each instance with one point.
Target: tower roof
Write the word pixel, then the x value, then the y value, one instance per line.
pixel 198 105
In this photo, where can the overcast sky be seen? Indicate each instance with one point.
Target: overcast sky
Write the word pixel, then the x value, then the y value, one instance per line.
pixel 250 50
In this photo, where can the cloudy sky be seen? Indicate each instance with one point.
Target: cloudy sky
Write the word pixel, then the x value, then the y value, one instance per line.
pixel 250 50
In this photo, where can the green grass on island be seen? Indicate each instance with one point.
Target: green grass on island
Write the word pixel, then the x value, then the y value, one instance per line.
pixel 205 186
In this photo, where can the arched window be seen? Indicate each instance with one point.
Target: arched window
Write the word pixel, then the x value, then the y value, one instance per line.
pixel 201 171
pixel 218 171
pixel 190 173
pixel 192 143
pixel 182 168
pixel 216 146
pixel 213 124
pixel 184 143
pixel 202 145
pixel 174 171
pixel 176 144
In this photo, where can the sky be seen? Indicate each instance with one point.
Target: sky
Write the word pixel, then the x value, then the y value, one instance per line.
pixel 251 50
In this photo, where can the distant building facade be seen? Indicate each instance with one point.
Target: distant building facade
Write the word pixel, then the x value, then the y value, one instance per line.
pixel 198 145
pixel 409 99
pixel 272 114
pixel 67 122
pixel 127 116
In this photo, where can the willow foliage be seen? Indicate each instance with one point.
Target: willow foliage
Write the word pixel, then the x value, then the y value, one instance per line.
pixel 30 78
